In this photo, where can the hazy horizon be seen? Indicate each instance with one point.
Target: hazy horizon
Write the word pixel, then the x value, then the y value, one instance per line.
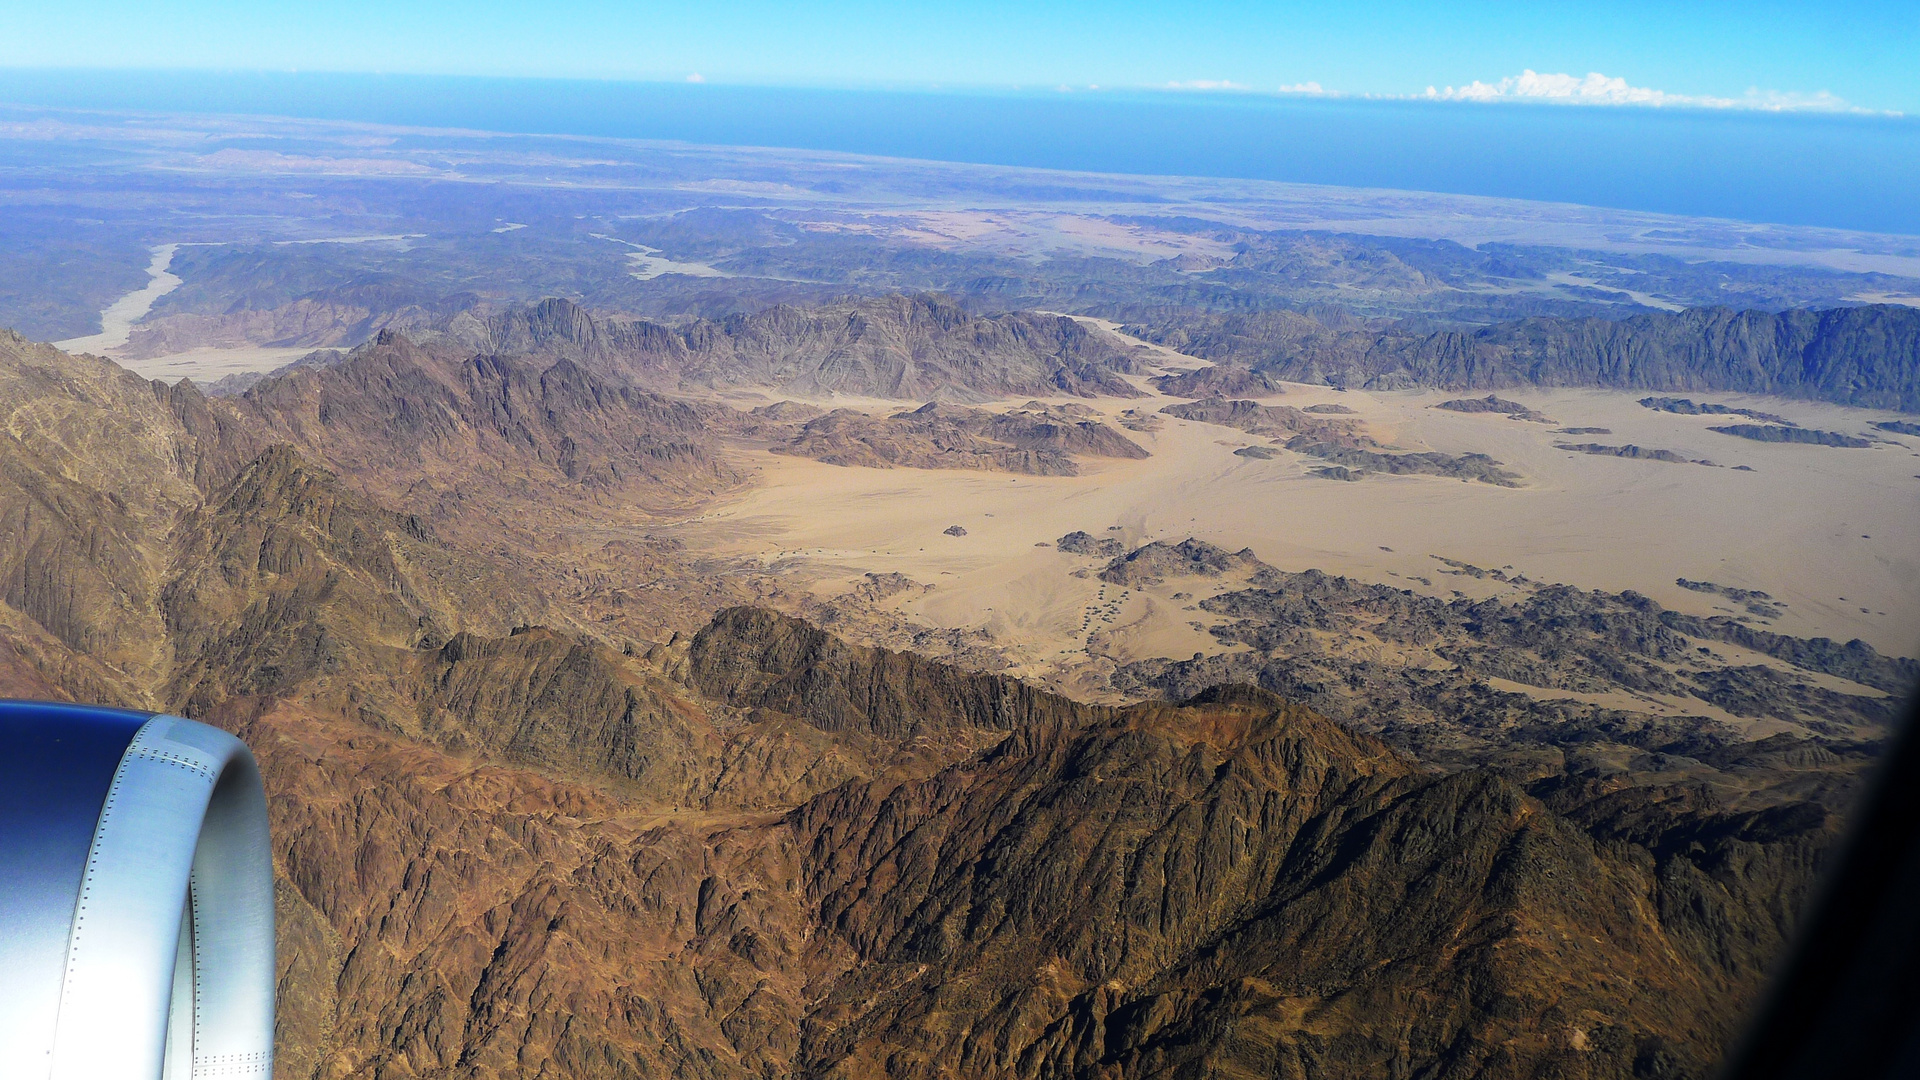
pixel 1832 170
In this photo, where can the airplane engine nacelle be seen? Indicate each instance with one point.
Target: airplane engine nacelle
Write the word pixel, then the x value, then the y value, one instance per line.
pixel 136 893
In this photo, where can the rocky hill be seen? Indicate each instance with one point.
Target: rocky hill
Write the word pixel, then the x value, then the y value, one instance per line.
pixel 394 408
pixel 903 347
pixel 1864 356
pixel 1218 381
pixel 1036 439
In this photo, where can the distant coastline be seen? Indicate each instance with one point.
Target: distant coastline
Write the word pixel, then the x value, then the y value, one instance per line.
pixel 1848 172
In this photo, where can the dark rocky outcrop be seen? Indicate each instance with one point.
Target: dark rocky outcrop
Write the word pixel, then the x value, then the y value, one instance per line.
pixel 1688 407
pixel 1154 563
pixel 1035 439
pixel 1218 381
pixel 1552 637
pixel 1084 543
pixel 1753 600
pixel 1257 419
pixel 1775 434
pixel 1636 453
pixel 1358 459
pixel 1494 404
pixel 1349 454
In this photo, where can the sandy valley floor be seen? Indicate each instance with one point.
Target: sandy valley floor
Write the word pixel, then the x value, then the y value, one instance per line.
pixel 1828 531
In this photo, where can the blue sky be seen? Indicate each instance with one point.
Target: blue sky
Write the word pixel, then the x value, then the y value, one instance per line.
pixel 1860 54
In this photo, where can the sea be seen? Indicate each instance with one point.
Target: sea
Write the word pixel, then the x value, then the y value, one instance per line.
pixel 1841 171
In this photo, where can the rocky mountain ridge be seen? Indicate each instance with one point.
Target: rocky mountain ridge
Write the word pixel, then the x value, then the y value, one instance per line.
pixel 923 347
pixel 509 839
pixel 1867 356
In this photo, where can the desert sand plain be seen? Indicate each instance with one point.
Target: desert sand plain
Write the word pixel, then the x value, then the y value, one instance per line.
pixel 1828 531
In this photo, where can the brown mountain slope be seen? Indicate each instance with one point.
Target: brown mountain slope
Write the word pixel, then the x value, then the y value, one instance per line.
pixel 904 347
pixel 1234 887
pixel 284 578
pixel 95 465
pixel 410 415
pixel 1238 890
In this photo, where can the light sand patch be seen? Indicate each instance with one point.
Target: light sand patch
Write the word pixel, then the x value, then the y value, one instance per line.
pixel 647 263
pixel 1902 299
pixel 1024 232
pixel 383 238
pixel 1565 277
pixel 116 323
pixel 209 365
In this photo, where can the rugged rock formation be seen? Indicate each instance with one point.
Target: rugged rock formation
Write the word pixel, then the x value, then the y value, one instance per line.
pixel 1756 602
pixel 284 577
pixel 1637 453
pixel 1689 407
pixel 95 465
pixel 1230 888
pixel 1158 561
pixel 905 347
pixel 350 318
pixel 1367 654
pixel 1035 439
pixel 752 658
pixel 1495 404
pixel 1775 434
pixel 1349 454
pixel 1084 543
pixel 1359 460
pixel 1257 419
pixel 1865 356
pixel 1227 886
pixel 395 409
pixel 1218 381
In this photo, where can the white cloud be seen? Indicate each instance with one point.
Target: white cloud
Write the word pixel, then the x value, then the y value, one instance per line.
pixel 696 77
pixel 1598 89
pixel 1312 89
pixel 1207 84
